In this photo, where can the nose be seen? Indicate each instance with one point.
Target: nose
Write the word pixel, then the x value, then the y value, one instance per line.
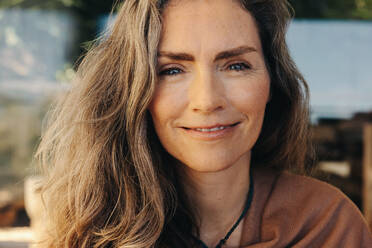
pixel 206 92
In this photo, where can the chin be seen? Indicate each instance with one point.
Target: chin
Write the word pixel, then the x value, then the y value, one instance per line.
pixel 210 164
pixel 208 168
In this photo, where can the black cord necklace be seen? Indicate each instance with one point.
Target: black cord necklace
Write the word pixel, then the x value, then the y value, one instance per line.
pixel 245 210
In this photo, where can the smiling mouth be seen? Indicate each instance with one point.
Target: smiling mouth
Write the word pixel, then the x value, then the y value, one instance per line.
pixel 214 128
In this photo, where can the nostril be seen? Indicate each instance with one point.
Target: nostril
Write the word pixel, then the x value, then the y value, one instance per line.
pixel 207 96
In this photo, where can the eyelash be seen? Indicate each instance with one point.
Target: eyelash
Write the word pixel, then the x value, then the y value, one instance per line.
pixel 171 71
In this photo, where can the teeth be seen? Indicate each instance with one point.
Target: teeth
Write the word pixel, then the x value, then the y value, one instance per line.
pixel 209 130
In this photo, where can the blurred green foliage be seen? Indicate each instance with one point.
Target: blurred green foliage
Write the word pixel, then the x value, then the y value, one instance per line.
pixel 334 9
pixel 86 7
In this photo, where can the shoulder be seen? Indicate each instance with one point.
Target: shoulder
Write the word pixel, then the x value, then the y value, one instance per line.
pixel 304 212
pixel 302 190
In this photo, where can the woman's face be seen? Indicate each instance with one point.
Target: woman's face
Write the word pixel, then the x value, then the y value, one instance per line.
pixel 213 85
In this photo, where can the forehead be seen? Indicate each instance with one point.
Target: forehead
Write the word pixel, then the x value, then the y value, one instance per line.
pixel 206 24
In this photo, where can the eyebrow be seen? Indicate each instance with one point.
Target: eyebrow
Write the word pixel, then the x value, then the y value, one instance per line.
pixel 220 56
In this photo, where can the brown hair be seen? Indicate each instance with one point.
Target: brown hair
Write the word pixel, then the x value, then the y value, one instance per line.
pixel 108 182
pixel 284 142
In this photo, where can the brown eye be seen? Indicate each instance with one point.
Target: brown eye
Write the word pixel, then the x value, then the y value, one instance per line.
pixel 238 67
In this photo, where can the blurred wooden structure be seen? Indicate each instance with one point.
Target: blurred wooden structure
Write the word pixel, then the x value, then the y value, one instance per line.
pixel 344 153
pixel 367 173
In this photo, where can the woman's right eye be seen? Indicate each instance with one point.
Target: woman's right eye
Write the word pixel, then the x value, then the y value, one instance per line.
pixel 170 72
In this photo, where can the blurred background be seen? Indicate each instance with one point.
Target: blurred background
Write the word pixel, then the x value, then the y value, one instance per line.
pixel 41 42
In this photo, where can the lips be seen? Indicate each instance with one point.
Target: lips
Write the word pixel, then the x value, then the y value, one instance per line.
pixel 215 132
pixel 212 128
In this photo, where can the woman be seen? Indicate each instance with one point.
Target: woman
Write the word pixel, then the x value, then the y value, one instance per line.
pixel 178 133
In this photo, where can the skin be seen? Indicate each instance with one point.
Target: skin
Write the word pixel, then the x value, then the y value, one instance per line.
pixel 211 74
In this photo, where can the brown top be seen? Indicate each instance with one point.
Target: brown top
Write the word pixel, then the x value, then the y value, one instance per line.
pixel 296 211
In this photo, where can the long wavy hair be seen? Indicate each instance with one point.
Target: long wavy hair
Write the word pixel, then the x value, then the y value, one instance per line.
pixel 108 181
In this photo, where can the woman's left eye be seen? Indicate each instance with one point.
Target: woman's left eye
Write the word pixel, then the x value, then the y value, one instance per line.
pixel 238 67
pixel 170 72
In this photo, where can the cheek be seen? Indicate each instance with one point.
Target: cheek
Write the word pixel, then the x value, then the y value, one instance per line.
pixel 165 107
pixel 251 97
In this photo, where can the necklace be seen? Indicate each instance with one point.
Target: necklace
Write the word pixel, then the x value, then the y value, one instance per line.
pixel 245 210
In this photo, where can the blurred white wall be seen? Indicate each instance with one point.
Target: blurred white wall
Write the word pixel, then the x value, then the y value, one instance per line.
pixel 336 59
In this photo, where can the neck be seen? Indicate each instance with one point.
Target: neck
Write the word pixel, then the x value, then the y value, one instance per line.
pixel 219 198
